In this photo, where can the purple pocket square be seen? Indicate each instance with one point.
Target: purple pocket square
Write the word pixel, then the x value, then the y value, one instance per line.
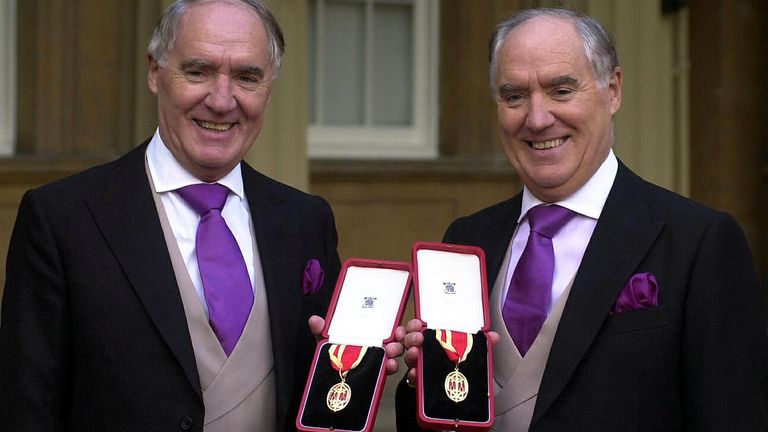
pixel 313 277
pixel 642 291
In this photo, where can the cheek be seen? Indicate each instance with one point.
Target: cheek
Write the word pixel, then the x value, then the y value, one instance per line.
pixel 253 103
pixel 256 110
pixel 251 110
pixel 510 122
pixel 172 106
pixel 181 95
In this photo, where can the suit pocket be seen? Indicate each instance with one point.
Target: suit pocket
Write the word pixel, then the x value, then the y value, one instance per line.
pixel 635 321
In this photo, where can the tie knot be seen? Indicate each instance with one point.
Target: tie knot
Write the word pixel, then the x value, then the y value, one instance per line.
pixel 547 220
pixel 203 197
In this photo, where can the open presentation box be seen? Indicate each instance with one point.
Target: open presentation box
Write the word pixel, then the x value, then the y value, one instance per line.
pixel 365 310
pixel 455 371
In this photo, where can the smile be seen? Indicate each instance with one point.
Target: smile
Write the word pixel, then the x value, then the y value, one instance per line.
pixel 543 145
pixel 222 127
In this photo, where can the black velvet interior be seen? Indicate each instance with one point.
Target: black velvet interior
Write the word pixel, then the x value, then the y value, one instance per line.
pixel 362 382
pixel 437 366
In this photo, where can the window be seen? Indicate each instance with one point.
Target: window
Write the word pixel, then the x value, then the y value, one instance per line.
pixel 7 76
pixel 373 78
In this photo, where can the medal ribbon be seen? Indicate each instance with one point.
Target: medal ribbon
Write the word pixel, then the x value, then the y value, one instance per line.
pixel 455 343
pixel 346 357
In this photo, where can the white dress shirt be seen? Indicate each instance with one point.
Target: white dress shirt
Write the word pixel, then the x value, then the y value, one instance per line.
pixel 571 241
pixel 167 176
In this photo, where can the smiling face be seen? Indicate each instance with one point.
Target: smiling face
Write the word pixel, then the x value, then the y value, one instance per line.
pixel 556 123
pixel 213 87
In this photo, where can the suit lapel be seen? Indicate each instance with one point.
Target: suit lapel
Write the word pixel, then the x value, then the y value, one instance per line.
pixel 496 236
pixel 496 249
pixel 623 235
pixel 271 219
pixel 128 219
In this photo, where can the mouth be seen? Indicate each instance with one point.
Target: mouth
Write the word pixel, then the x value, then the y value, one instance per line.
pixel 219 127
pixel 549 144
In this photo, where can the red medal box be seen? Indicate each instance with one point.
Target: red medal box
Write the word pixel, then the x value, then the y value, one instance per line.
pixel 347 377
pixel 455 371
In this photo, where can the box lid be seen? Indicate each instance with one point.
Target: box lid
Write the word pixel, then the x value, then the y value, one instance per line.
pixel 450 286
pixel 368 302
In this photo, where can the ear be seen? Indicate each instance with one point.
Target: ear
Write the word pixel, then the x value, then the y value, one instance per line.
pixel 153 72
pixel 614 89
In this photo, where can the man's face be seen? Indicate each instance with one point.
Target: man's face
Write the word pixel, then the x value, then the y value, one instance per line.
pixel 213 89
pixel 555 122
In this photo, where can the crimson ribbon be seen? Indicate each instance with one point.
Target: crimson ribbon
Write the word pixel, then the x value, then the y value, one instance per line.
pixel 456 344
pixel 346 357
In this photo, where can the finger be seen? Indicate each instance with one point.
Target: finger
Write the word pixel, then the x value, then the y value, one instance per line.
pixel 394 349
pixel 392 366
pixel 400 334
pixel 316 325
pixel 494 337
pixel 413 339
pixel 411 357
pixel 411 378
pixel 414 325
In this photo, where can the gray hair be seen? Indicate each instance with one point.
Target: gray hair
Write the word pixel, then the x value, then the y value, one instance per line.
pixel 166 30
pixel 597 42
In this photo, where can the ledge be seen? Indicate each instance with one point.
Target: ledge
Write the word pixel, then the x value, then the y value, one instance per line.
pixel 490 167
pixel 41 170
pixel 28 170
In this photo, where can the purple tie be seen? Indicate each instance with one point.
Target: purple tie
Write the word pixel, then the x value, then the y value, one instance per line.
pixel 530 288
pixel 226 283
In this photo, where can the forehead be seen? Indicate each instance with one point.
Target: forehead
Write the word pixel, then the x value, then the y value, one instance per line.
pixel 543 44
pixel 221 25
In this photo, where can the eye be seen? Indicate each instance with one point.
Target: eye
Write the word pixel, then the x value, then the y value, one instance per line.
pixel 196 75
pixel 248 79
pixel 562 93
pixel 511 99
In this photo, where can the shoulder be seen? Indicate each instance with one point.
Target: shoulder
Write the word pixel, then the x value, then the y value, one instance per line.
pixel 92 182
pixel 495 213
pixel 489 222
pixel 260 187
pixel 682 217
pixel 674 207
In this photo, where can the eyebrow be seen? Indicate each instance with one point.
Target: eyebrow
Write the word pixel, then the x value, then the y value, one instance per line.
pixel 203 64
pixel 511 88
pixel 562 80
pixel 195 63
pixel 554 82
pixel 251 70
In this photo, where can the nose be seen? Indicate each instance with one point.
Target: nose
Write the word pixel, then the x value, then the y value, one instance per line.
pixel 539 114
pixel 220 98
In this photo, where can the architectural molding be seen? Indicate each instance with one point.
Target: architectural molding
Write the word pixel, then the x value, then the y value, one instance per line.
pixel 8 77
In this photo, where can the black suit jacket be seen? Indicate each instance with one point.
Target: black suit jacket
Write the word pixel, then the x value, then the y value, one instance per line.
pixel 93 333
pixel 698 361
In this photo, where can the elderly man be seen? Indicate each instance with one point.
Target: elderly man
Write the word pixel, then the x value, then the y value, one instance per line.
pixel 616 305
pixel 170 289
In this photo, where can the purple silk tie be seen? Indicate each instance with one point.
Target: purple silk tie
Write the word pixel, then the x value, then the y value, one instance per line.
pixel 530 288
pixel 226 283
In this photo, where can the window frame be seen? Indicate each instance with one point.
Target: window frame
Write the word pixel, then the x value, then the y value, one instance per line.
pixel 418 141
pixel 8 78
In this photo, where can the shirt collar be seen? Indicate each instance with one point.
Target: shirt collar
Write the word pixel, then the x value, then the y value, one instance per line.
pixel 173 176
pixel 589 199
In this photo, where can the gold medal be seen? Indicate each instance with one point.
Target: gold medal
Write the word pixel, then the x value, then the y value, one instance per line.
pixel 457 346
pixel 343 358
pixel 456 386
pixel 338 396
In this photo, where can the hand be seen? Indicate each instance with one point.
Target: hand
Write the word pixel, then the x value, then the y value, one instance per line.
pixel 316 325
pixel 393 350
pixel 412 341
